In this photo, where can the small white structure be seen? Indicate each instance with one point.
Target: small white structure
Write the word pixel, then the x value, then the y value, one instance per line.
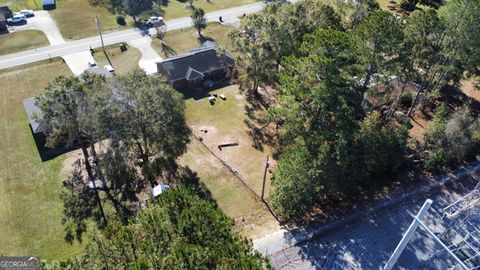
pixel 157 190
pixel 98 183
pixel 48 4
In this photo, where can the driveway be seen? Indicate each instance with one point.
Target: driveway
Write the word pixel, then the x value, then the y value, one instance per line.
pixel 78 62
pixel 368 242
pixel 43 22
pixel 149 55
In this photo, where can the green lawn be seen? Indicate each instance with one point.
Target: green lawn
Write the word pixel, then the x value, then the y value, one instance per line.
pixel 21 41
pixel 225 123
pixel 30 207
pixel 176 9
pixel 251 217
pixel 181 41
pixel 122 62
pixel 22 4
pixel 76 19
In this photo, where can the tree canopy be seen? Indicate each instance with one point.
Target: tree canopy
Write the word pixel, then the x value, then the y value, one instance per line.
pixel 179 231
pixel 199 20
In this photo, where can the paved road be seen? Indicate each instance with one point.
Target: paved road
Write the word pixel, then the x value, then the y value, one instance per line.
pixel 368 242
pixel 229 16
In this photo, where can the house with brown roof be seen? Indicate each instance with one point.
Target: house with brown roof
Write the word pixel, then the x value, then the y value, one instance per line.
pixel 195 67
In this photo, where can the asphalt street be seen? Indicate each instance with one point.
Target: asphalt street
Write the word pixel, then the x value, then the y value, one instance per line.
pixel 230 15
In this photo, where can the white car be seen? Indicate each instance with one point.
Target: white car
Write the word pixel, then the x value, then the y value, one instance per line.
pixel 110 69
pixel 16 19
pixel 27 13
pixel 153 20
pixel 92 64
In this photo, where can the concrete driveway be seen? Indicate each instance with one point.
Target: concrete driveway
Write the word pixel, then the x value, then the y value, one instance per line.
pixel 78 62
pixel 149 55
pixel 43 22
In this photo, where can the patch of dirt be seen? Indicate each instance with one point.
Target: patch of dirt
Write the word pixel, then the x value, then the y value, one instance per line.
pixel 418 130
pixel 470 90
pixel 71 162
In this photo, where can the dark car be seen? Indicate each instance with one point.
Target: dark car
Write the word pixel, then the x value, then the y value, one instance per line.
pixel 27 13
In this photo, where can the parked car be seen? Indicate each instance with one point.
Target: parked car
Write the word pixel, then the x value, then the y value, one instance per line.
pixel 27 13
pixel 92 64
pixel 110 69
pixel 17 19
pixel 153 20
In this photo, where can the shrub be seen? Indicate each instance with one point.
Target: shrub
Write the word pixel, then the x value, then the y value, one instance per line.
pixel 451 139
pixel 405 100
pixel 121 20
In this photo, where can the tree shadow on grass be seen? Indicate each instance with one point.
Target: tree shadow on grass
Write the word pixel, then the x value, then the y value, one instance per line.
pixel 259 125
pixel 167 50
pixel 455 98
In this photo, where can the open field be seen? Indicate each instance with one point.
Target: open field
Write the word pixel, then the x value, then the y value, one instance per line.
pixel 76 19
pixel 22 41
pixel 122 62
pixel 182 41
pixel 30 207
pixel 175 9
pixel 225 123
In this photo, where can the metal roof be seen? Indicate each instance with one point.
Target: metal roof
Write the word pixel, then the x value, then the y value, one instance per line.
pixel 34 113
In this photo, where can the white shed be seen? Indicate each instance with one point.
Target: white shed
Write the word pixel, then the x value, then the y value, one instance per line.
pixel 157 190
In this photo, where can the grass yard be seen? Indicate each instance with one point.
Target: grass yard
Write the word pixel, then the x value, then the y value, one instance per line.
pixel 175 9
pixel 30 207
pixel 22 4
pixel 122 62
pixel 225 123
pixel 251 218
pixel 384 4
pixel 21 41
pixel 182 41
pixel 76 19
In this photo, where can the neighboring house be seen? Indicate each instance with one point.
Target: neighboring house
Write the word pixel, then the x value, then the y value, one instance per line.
pixel 196 66
pixel 100 71
pixel 3 23
pixel 35 114
pixel 5 10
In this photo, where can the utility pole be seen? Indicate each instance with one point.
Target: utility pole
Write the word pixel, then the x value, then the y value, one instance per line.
pixel 101 38
pixel 264 178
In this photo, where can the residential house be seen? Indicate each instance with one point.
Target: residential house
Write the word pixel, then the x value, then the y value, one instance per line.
pixel 196 67
pixel 35 116
pixel 5 10
pixel 99 71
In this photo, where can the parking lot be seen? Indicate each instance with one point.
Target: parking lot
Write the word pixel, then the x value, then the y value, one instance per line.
pixel 369 242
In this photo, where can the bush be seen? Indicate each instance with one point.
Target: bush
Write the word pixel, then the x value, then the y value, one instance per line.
pixel 405 101
pixel 437 161
pixel 121 20
pixel 451 139
pixel 408 5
